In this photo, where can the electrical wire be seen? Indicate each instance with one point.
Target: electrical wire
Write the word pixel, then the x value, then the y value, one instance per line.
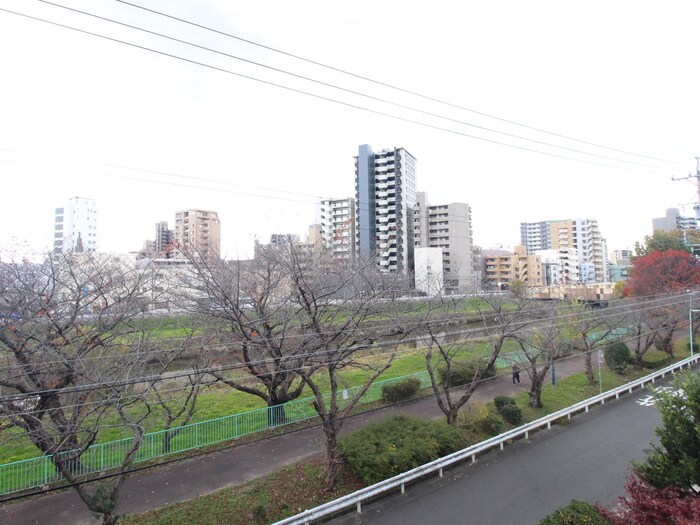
pixel 316 95
pixel 340 88
pixel 384 84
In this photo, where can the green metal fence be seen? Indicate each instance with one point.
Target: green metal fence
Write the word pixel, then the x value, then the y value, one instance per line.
pixel 41 471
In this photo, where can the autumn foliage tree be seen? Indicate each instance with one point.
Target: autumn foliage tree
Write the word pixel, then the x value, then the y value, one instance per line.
pixel 663 272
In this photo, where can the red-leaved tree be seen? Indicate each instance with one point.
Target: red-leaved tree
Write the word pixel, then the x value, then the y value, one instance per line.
pixel 648 505
pixel 662 272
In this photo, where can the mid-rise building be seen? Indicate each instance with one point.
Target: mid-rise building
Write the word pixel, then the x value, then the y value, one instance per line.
pixel 559 266
pixel 164 237
pixel 501 269
pixel 337 221
pixel 385 195
pixel 197 233
pixel 673 221
pixel 448 227
pixel 582 235
pixel 76 226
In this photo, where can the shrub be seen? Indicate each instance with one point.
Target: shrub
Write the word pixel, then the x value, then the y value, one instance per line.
pixel 478 418
pixel 386 448
pixel 501 401
pixel 617 357
pixel 400 390
pixel 574 513
pixel 491 424
pixel 462 374
pixel 647 505
pixel 512 414
pixel 508 409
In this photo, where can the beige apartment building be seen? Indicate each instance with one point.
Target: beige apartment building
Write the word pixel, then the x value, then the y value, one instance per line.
pixel 584 236
pixel 500 269
pixel 198 232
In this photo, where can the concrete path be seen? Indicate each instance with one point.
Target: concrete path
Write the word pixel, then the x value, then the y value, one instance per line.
pixel 191 478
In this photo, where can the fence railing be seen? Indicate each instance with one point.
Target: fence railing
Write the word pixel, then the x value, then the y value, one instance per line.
pixel 469 454
pixel 41 471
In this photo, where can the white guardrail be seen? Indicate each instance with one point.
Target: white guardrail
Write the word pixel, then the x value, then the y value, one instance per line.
pixel 470 453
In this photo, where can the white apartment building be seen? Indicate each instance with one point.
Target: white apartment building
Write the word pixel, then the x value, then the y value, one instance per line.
pixel 385 194
pixel 337 221
pixel 559 266
pixel 429 271
pixel 76 226
pixel 448 227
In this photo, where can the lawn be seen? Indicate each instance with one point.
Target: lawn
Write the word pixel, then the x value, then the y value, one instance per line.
pixel 277 495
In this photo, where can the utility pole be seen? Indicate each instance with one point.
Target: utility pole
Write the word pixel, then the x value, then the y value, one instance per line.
pixel 696 205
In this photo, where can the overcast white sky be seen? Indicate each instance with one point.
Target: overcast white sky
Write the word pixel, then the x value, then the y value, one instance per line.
pixel 147 134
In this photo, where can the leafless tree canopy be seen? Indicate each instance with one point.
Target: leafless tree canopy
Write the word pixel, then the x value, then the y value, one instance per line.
pixel 72 339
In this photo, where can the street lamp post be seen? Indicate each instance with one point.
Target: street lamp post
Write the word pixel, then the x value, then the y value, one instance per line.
pixel 690 321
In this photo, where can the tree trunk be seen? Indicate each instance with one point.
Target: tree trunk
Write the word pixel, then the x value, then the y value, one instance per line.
pixel 452 416
pixel 332 457
pixel 276 414
pixel 590 376
pixel 535 392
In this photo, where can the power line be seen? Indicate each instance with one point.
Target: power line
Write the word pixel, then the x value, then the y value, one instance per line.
pixel 320 97
pixel 384 84
pixel 335 86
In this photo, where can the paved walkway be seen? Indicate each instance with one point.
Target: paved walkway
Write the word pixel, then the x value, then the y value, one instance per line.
pixel 191 478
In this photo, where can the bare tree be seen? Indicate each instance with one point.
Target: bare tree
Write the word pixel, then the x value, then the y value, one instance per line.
pixel 542 346
pixel 343 310
pixel 644 323
pixel 250 302
pixel 588 329
pixel 502 318
pixel 71 342
pixel 666 320
pixel 174 399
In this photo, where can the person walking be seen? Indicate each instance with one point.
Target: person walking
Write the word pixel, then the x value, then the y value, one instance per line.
pixel 516 373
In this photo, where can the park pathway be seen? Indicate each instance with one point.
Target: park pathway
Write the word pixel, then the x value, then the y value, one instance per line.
pixel 194 477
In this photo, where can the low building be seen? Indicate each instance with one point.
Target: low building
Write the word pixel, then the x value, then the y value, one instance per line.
pixel 501 269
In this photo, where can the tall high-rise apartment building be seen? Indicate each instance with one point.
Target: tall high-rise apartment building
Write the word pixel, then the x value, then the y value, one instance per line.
pixel 535 236
pixel 337 221
pixel 447 227
pixel 198 232
pixel 76 226
pixel 385 194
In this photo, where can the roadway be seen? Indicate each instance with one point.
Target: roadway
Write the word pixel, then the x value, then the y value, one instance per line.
pixel 587 459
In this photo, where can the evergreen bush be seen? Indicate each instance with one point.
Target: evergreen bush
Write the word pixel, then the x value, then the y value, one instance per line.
pixel 400 390
pixel 462 374
pixel 512 414
pixel 386 448
pixel 575 513
pixel 617 357
pixel 501 401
